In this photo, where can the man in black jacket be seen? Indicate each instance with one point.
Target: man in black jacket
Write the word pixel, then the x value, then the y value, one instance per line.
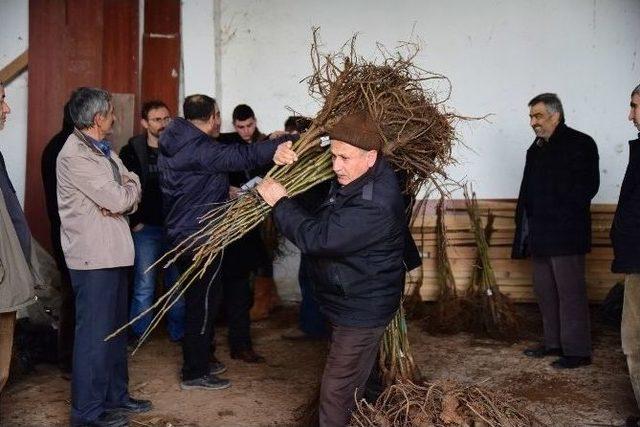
pixel 355 243
pixel 194 178
pixel 50 182
pixel 625 237
pixel 140 155
pixel 553 225
pixel 246 255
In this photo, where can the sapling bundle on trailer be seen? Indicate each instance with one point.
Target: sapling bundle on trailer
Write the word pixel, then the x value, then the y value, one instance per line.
pixel 492 312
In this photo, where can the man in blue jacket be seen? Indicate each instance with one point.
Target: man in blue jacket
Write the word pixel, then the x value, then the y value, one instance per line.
pixel 355 244
pixel 625 237
pixel 194 178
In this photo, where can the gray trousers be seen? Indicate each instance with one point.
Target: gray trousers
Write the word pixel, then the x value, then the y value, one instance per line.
pixel 352 353
pixel 561 291
pixel 630 332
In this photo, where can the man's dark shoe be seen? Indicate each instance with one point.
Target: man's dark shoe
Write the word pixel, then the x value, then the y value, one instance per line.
pixel 541 351
pixel 216 366
pixel 632 421
pixel 107 419
pixel 134 406
pixel 248 356
pixel 208 382
pixel 571 362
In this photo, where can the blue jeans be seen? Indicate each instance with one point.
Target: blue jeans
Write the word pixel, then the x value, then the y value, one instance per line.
pixel 150 244
pixel 312 322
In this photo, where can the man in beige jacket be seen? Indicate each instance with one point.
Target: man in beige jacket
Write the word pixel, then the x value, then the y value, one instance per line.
pixel 16 279
pixel 95 194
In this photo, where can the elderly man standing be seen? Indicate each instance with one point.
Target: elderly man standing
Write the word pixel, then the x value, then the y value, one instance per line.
pixel 355 243
pixel 553 225
pixel 95 195
pixel 625 236
pixel 16 280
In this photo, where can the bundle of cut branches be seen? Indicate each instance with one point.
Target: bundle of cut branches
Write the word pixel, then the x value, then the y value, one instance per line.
pixel 442 403
pixel 450 315
pixel 417 131
pixel 395 358
pixel 493 313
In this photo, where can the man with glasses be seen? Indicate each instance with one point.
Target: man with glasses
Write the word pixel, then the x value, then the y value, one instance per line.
pixel 140 155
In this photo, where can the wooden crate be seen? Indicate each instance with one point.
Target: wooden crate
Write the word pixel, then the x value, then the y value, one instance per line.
pixel 514 277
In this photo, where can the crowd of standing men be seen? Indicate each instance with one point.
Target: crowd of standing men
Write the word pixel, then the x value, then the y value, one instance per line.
pixel 111 212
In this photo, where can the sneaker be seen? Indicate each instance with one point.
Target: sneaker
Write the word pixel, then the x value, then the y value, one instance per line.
pixel 542 351
pixel 208 382
pixel 571 362
pixel 217 367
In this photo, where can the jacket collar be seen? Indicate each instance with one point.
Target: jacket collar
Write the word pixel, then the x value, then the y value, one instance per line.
pixel 92 143
pixel 558 132
pixel 356 185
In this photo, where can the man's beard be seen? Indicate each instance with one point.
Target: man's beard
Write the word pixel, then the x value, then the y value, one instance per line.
pixel 157 134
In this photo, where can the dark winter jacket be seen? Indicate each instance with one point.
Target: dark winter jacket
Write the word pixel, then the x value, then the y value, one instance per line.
pixel 135 156
pixel 561 176
pixel 194 173
pixel 249 252
pixel 355 243
pixel 625 230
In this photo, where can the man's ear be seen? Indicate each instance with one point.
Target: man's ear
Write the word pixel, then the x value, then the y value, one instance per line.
pixel 144 123
pixel 372 156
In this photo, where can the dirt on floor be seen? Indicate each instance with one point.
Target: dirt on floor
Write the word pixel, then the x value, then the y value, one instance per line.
pixel 273 394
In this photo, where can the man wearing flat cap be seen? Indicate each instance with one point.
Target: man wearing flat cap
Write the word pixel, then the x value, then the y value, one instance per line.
pixel 355 242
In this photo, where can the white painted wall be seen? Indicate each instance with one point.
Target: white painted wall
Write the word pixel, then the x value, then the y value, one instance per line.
pixel 14 34
pixel 498 54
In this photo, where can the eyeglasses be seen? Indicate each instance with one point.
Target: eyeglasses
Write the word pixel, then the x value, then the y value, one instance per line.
pixel 160 120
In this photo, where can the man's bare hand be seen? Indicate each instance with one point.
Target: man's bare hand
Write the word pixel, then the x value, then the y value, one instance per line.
pixel 284 154
pixel 271 191
pixel 233 192
pixel 277 134
pixel 107 212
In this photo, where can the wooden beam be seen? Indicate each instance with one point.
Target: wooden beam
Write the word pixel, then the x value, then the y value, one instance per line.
pixel 15 68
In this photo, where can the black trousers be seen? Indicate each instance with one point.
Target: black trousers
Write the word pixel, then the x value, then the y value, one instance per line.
pixel 352 353
pixel 237 301
pixel 100 376
pixel 202 300
pixel 561 290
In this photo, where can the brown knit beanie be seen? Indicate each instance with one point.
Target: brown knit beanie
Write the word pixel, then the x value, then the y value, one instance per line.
pixel 357 129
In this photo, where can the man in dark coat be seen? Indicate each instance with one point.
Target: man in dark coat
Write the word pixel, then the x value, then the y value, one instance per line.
pixel 625 237
pixel 50 182
pixel 553 225
pixel 246 255
pixel 140 156
pixel 194 178
pixel 355 242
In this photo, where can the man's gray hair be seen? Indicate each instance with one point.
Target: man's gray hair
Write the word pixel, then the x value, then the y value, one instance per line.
pixel 636 91
pixel 551 101
pixel 85 103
